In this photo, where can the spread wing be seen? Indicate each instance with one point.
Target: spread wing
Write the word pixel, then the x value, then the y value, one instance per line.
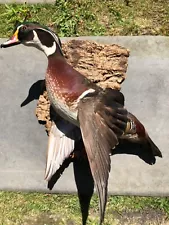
pixel 61 141
pixel 102 120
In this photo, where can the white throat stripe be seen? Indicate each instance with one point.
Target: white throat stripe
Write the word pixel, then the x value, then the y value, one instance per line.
pixel 47 50
pixel 53 35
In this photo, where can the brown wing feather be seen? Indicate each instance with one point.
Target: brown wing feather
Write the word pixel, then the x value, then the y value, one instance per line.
pixel 100 126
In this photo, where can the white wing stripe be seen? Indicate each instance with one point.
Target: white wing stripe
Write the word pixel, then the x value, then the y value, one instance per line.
pixel 59 148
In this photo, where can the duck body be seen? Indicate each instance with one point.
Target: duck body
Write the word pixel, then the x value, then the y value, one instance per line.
pixel 87 112
pixel 64 86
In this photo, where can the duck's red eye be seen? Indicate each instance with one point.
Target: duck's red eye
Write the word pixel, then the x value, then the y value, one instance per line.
pixel 23 28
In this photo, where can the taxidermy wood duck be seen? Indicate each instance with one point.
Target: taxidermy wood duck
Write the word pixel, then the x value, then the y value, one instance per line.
pixel 87 112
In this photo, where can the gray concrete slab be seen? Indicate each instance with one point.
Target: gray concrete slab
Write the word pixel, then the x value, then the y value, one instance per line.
pixel 23 141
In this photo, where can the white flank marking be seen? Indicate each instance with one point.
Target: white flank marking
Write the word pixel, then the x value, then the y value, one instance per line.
pixel 85 93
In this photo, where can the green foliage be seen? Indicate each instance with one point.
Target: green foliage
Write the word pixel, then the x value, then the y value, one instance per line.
pixel 67 18
pixel 15 12
pixel 37 209
pixel 73 15
pixel 86 17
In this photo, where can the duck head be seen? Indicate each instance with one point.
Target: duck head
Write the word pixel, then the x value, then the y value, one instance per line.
pixel 35 35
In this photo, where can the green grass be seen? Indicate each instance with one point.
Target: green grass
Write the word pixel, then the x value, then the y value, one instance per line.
pixel 76 18
pixel 41 209
pixel 97 17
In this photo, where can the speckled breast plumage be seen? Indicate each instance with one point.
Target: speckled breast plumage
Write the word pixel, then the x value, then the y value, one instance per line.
pixel 59 99
pixel 64 89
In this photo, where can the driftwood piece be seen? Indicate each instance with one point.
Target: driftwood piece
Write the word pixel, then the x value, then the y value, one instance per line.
pixel 106 65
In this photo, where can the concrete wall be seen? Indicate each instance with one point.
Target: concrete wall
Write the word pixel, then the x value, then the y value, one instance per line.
pixel 23 141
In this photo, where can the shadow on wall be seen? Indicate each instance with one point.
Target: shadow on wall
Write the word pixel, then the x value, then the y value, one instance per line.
pixel 34 92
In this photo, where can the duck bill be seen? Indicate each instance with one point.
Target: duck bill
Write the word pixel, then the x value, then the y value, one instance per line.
pixel 12 41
